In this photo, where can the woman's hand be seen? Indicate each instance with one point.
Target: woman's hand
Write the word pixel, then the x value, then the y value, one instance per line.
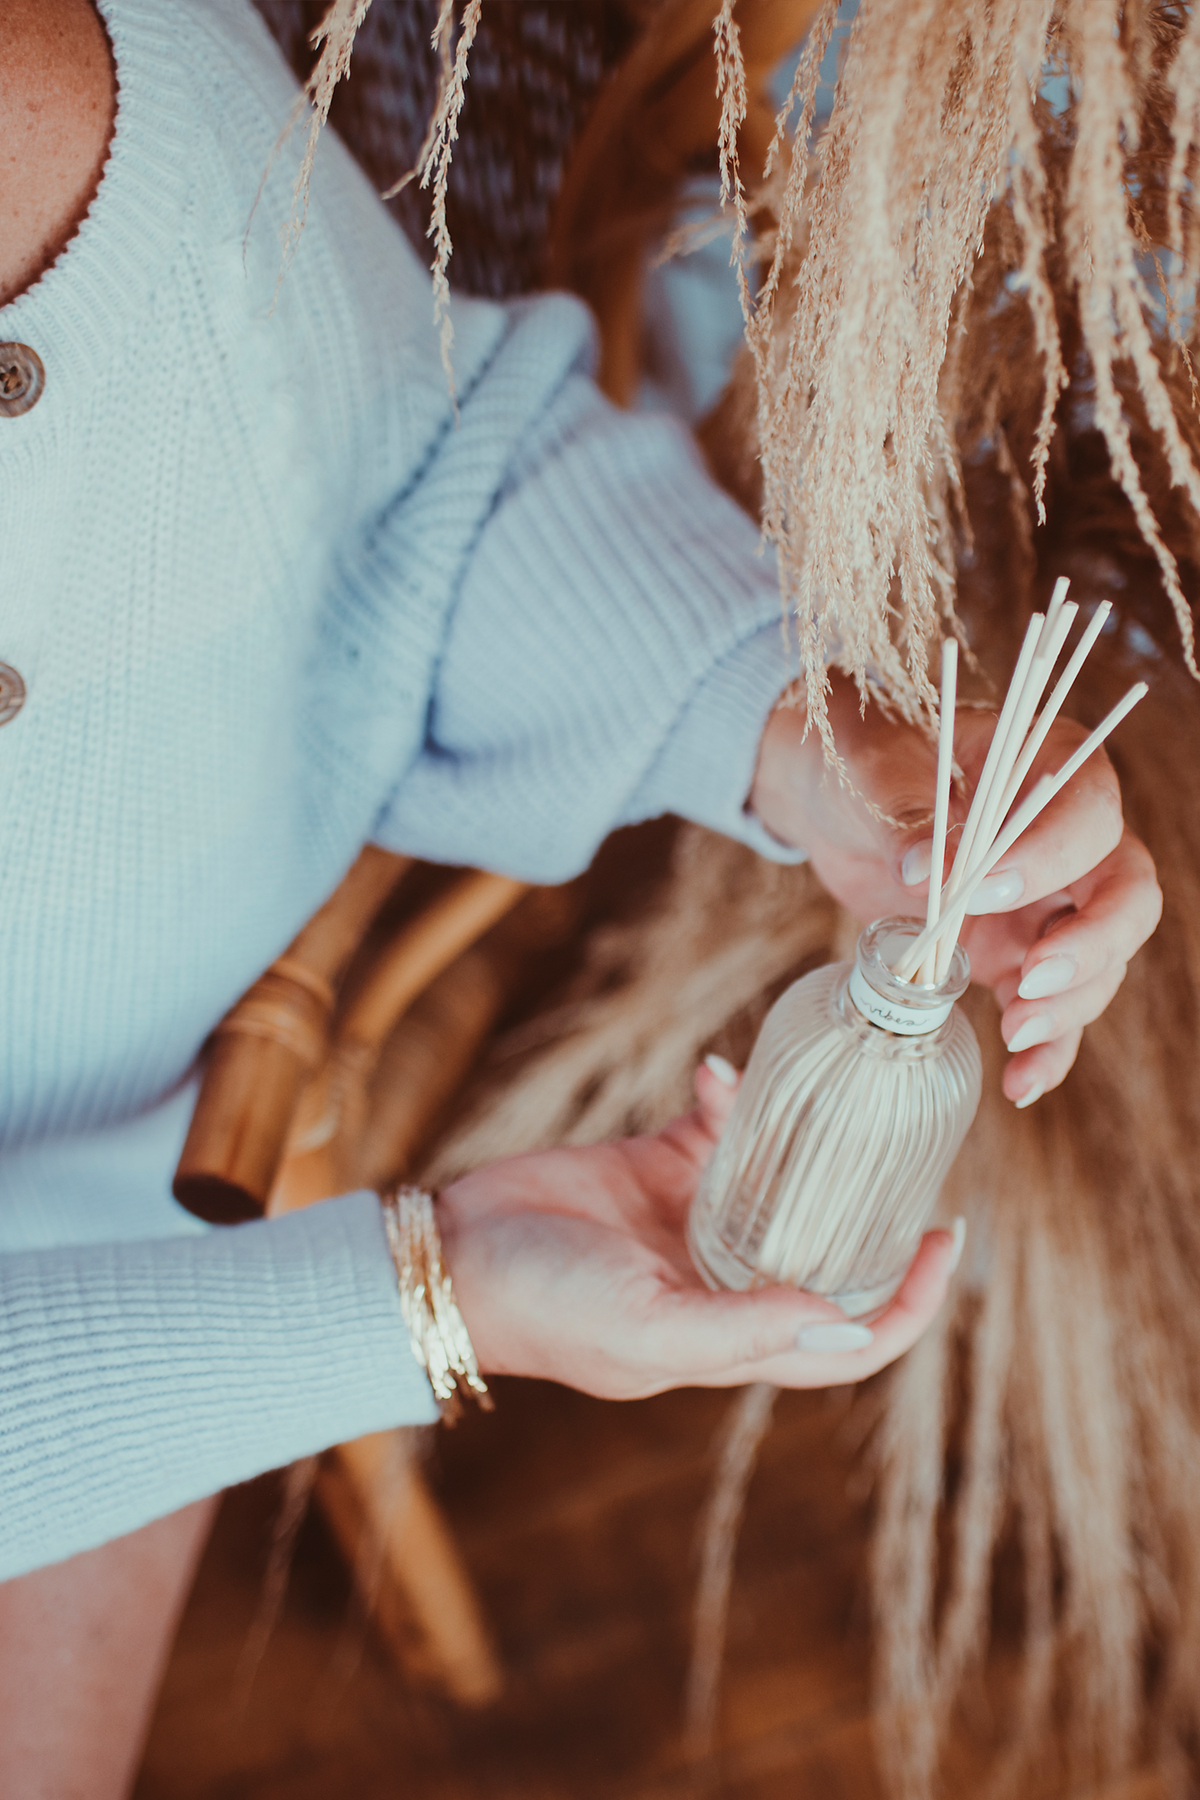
pixel 1057 921
pixel 571 1265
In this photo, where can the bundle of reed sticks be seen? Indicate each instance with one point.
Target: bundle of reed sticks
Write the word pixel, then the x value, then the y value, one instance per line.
pixel 994 822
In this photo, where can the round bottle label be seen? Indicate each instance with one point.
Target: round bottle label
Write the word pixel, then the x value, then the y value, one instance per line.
pixel 904 1020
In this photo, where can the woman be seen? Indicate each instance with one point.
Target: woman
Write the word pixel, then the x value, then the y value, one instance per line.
pixel 265 597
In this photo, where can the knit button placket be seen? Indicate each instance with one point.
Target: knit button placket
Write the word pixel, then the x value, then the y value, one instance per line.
pixel 12 693
pixel 22 379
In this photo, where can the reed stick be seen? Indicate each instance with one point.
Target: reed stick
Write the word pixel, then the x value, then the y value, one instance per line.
pixel 941 809
pixel 994 806
pixel 1053 706
pixel 1058 598
pixel 996 750
pixel 1034 803
pixel 1053 637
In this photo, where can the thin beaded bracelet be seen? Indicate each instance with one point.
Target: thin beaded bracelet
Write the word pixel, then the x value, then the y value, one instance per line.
pixel 440 1340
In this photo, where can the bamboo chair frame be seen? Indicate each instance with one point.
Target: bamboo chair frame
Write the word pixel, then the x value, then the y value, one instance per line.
pixel 285 1119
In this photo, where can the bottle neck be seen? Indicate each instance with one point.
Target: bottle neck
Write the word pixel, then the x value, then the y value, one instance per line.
pixel 903 1018
pixel 904 1008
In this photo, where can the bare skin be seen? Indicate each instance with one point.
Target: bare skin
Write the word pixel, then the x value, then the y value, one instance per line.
pixel 58 103
pixel 83 1646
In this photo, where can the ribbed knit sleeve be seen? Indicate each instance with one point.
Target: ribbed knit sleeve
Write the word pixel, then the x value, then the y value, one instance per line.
pixel 614 648
pixel 140 1376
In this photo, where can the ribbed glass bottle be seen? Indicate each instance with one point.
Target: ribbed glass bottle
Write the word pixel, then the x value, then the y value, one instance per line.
pixel 858 1094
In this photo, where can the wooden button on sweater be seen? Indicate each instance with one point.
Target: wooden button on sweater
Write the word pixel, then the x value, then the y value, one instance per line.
pixel 22 378
pixel 12 693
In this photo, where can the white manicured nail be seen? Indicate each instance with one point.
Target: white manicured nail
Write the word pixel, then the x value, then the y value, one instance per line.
pixel 959 1232
pixel 724 1071
pixel 1030 1095
pixel 917 863
pixel 997 893
pixel 1038 1030
pixel 834 1336
pixel 1049 977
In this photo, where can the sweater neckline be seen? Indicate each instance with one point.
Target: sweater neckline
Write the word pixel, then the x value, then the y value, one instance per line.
pixel 79 311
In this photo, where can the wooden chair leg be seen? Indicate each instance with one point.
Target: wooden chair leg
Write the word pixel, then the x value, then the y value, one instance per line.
pixel 394 1536
pixel 450 989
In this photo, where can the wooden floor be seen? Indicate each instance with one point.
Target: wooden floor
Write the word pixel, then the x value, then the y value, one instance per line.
pixel 578 1522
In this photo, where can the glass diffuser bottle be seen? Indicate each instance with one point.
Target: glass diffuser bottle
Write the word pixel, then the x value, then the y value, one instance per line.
pixel 858 1094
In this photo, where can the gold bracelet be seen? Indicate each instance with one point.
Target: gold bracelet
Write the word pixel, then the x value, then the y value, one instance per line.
pixel 440 1340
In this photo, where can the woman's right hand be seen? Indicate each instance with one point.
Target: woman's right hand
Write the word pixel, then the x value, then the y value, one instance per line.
pixel 1052 928
pixel 571 1265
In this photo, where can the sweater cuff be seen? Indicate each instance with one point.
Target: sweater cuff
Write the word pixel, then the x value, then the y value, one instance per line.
pixel 142 1376
pixel 705 769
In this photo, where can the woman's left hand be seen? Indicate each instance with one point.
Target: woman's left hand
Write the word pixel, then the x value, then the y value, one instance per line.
pixel 1056 923
pixel 571 1265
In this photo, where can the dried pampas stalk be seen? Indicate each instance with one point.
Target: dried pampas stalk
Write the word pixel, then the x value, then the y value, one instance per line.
pixel 1101 248
pixel 940 114
pixel 741 1435
pixel 855 452
pixel 939 119
pixel 731 92
pixel 298 1484
pixel 1031 214
pixel 434 163
pixel 1184 91
pixel 336 33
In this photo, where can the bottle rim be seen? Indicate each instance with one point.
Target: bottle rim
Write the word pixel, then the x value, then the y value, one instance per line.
pixel 905 1008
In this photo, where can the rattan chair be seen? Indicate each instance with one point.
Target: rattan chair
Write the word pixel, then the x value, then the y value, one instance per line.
pixel 329 1074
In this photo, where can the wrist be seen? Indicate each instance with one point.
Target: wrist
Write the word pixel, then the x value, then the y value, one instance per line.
pixel 438 1333
pixel 787 775
pixel 467 1248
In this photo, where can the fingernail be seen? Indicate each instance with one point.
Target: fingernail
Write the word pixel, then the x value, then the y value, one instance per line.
pixel 835 1337
pixel 1049 977
pixel 997 893
pixel 724 1071
pixel 1030 1095
pixel 917 863
pixel 1038 1030
pixel 959 1235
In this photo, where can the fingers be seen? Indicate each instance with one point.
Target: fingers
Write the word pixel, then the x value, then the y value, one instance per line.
pixel 1077 831
pixel 792 1338
pixel 895 1331
pixel 1120 910
pixel 717 1084
pixel 1033 1073
pixel 1070 974
pixel 1028 1023
pixel 694 1135
pixel 704 1339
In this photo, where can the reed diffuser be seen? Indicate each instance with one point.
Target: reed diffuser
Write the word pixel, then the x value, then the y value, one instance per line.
pixel 865 1079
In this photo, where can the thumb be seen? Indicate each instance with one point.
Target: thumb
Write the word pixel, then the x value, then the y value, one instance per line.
pixel 907 806
pixel 914 857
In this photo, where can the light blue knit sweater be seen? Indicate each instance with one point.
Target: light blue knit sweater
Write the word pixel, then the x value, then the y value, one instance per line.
pixel 270 602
